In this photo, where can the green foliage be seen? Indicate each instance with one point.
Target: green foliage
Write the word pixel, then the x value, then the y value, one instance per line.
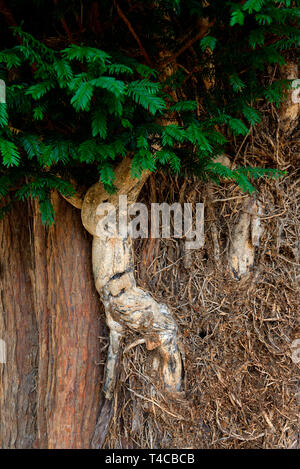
pixel 3 115
pixel 9 152
pixel 208 41
pixel 242 175
pixel 78 109
pixel 237 17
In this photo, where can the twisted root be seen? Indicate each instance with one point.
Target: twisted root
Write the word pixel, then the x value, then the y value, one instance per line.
pixel 126 305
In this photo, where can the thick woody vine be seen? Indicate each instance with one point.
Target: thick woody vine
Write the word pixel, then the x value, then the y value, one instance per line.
pixel 126 305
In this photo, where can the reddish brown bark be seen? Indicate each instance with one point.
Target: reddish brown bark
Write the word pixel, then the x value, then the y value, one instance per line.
pixel 50 387
pixel 18 329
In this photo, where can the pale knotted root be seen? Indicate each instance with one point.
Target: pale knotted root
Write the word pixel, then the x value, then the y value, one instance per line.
pixel 245 237
pixel 126 305
pixel 289 111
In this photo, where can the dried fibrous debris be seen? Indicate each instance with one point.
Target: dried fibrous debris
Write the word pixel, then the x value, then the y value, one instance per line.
pixel 241 386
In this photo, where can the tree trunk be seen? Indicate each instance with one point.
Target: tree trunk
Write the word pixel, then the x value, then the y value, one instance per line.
pixel 50 319
pixel 18 329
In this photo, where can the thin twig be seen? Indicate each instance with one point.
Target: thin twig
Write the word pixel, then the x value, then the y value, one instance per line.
pixel 129 25
pixel 198 36
pixel 10 20
pixel 177 416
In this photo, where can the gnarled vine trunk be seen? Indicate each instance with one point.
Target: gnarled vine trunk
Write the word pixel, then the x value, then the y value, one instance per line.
pixel 125 304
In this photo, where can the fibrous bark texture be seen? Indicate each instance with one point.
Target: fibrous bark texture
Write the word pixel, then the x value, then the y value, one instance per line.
pixel 18 330
pixel 126 305
pixel 50 319
pixel 68 316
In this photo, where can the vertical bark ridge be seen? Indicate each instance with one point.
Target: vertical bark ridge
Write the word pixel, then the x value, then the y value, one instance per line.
pixel 69 317
pixel 18 328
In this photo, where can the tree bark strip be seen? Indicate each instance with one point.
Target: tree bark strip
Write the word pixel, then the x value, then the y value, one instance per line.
pixel 69 319
pixel 50 387
pixel 18 329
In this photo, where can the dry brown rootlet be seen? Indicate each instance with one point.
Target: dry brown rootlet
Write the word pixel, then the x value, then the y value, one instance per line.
pixel 241 387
